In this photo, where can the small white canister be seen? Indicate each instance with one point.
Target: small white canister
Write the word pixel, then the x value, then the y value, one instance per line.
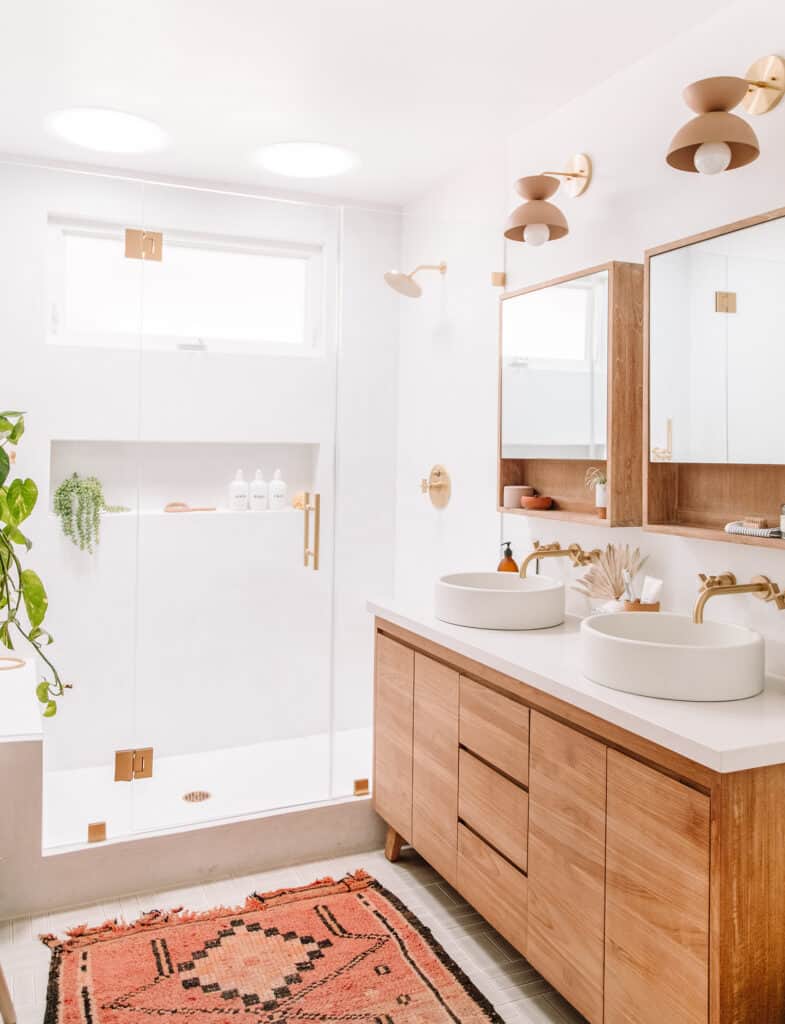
pixel 513 494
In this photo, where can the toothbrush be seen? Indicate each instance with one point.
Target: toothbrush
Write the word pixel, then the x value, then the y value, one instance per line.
pixel 627 577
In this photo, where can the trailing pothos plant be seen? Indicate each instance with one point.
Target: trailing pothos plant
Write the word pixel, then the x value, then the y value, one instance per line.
pixel 23 600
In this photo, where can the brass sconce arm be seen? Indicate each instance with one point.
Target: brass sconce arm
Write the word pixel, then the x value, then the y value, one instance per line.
pixel 574 552
pixel 715 586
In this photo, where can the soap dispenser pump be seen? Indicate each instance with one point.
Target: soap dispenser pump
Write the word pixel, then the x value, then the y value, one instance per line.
pixel 508 563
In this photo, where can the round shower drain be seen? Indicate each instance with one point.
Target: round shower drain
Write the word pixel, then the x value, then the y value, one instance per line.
pixel 196 796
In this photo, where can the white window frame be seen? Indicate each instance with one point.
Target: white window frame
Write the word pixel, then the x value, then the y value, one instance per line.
pixel 313 255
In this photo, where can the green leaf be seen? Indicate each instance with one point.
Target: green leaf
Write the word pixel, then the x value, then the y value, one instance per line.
pixel 5 635
pixel 21 498
pixel 17 536
pixel 34 596
pixel 11 414
pixel 6 426
pixel 42 692
pixel 5 465
pixel 50 710
pixel 16 433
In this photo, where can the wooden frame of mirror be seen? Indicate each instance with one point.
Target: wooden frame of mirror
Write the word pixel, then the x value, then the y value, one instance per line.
pixel 564 479
pixel 694 499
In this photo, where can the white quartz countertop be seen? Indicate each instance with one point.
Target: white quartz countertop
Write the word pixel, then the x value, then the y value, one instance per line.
pixel 727 736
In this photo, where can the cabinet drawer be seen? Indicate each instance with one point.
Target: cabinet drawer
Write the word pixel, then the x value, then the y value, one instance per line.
pixel 494 807
pixel 496 728
pixel 493 887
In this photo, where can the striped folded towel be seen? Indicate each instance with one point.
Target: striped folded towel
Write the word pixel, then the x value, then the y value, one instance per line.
pixel 752 531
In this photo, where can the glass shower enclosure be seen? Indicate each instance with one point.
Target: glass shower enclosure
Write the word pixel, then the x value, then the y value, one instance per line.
pixel 180 336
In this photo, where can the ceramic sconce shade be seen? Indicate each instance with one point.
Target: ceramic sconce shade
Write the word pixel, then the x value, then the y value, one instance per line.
pixel 712 99
pixel 536 190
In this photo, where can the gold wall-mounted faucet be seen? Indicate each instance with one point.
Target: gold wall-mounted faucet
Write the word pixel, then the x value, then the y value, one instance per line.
pixel 574 552
pixel 715 586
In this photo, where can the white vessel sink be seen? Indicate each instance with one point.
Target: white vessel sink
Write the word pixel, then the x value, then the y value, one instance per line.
pixel 499 600
pixel 660 655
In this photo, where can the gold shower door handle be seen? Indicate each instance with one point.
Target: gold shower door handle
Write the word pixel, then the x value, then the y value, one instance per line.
pixel 308 551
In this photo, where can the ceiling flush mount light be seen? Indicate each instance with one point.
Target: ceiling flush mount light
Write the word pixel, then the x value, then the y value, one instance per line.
pixel 537 221
pixel 306 159
pixel 716 140
pixel 106 131
pixel 405 284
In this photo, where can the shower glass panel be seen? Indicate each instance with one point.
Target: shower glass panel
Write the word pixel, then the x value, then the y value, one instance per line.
pixel 81 400
pixel 234 639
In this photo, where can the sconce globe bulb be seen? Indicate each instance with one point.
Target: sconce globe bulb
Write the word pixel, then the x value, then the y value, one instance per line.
pixel 712 157
pixel 536 234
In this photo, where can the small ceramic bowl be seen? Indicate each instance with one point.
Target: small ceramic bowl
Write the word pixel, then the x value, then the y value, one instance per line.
pixel 536 503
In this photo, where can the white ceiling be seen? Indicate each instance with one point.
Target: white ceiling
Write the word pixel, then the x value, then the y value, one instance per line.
pixel 413 88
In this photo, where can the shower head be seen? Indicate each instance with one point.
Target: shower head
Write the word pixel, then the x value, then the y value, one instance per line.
pixel 405 284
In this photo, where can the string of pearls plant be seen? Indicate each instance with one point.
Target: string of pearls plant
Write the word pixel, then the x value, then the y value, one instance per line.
pixel 79 502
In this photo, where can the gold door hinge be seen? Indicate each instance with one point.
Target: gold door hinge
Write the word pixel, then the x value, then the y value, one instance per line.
pixel 96 832
pixel 725 302
pixel 143 245
pixel 133 764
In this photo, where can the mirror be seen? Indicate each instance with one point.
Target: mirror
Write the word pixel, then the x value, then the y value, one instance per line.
pixel 717 347
pixel 554 371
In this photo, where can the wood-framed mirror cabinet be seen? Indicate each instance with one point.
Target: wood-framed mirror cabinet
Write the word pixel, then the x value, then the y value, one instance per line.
pixel 714 340
pixel 571 391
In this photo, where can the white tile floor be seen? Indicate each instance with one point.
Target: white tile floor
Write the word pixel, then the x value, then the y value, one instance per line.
pixel 518 993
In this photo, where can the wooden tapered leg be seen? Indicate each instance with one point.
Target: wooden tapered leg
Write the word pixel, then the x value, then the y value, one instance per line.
pixel 7 1013
pixel 393 844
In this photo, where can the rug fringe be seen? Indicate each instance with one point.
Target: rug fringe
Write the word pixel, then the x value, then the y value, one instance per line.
pixel 353 882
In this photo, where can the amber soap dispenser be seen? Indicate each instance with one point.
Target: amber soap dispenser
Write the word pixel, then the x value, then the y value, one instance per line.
pixel 508 563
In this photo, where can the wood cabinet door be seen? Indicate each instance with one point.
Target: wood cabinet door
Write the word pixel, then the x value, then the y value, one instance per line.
pixel 435 809
pixel 567 862
pixel 393 734
pixel 657 898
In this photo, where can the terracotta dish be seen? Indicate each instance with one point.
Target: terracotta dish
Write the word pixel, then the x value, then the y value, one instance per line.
pixel 536 503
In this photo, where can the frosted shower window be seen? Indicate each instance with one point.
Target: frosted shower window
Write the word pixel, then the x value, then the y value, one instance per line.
pixel 222 295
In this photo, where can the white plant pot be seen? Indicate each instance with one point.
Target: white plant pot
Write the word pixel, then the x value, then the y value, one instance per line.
pixel 601 495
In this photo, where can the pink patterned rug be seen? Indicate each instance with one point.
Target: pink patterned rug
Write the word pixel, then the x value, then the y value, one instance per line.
pixel 330 951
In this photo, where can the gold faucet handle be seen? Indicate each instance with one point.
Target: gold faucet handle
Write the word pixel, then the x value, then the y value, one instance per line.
pixel 579 557
pixel 771 593
pixel 555 546
pixel 725 579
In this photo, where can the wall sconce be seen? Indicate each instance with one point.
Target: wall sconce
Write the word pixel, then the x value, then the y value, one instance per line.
pixel 717 140
pixel 537 221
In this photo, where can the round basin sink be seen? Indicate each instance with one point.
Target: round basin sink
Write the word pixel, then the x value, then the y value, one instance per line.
pixel 499 600
pixel 660 655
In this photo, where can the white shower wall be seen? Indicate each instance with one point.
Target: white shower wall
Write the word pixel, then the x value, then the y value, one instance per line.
pixel 156 641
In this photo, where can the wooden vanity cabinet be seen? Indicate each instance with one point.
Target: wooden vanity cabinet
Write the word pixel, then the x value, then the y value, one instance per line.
pixel 657 897
pixel 567 782
pixel 435 765
pixel 647 888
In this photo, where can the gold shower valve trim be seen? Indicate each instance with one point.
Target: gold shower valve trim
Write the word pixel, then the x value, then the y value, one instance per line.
pixel 438 486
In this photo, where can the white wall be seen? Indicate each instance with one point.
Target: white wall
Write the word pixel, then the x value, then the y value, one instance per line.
pixel 448 393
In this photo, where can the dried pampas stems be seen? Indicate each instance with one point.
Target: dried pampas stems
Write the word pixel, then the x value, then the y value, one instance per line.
pixel 605 578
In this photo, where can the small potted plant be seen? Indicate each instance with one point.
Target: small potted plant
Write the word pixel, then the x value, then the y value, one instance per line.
pixel 598 479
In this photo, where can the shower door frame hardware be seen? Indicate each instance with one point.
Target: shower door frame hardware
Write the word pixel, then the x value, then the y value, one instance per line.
pixel 133 764
pixel 311 553
pixel 143 245
pixel 96 832
pixel 725 302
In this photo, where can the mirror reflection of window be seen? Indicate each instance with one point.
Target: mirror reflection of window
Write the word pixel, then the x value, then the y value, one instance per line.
pixel 554 370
